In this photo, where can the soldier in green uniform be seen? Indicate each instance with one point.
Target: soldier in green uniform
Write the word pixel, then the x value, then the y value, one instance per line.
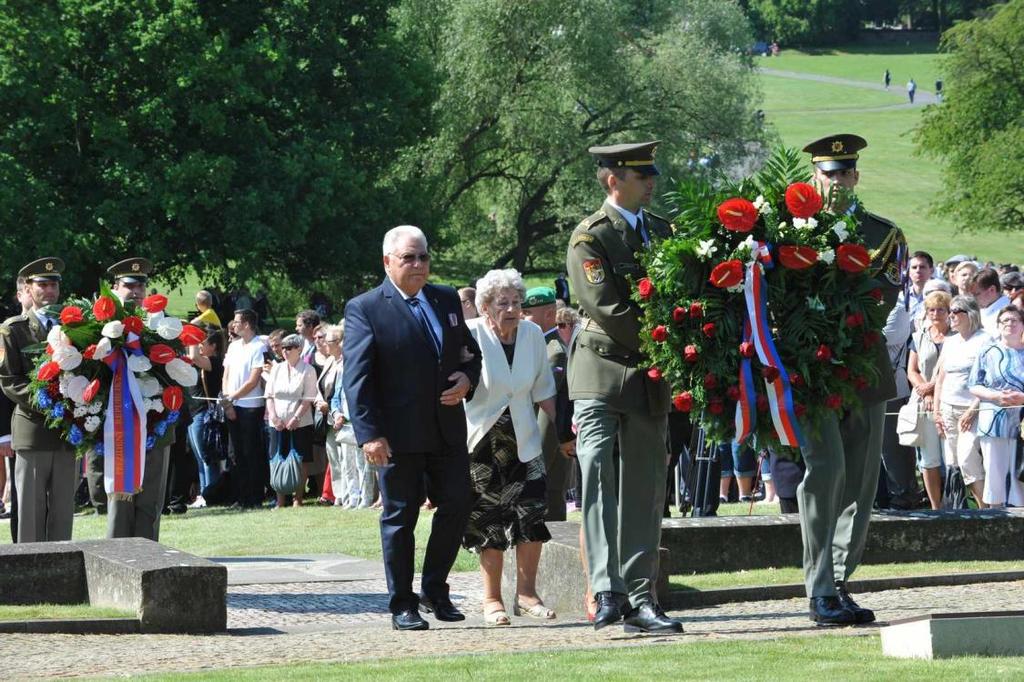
pixel 614 399
pixel 844 457
pixel 45 472
pixel 139 515
pixel 557 439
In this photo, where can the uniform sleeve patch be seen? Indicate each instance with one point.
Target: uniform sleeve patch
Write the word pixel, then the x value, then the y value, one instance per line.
pixel 593 268
pixel 581 238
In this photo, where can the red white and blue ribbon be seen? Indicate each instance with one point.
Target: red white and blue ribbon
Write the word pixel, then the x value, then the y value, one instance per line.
pixel 124 430
pixel 757 330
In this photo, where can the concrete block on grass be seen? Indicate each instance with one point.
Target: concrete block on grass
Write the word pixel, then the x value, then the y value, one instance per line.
pixel 945 635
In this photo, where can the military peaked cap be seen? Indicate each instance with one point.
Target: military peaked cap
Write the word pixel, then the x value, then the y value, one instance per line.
pixel 45 269
pixel 637 155
pixel 131 270
pixel 836 152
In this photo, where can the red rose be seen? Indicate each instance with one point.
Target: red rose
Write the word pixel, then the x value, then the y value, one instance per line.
pixel 654 374
pixel 161 354
pixel 770 373
pixel 876 294
pixel 47 371
pixel 89 351
pixel 802 200
pixel 104 308
pixel 71 314
pixel 833 401
pixel 737 214
pixel 710 381
pixel 762 403
pixel 799 409
pixel 708 329
pixel 797 257
pixel 854 320
pixel 696 309
pixel 727 274
pixel 154 303
pixel 659 333
pixel 173 398
pixel 824 353
pixel 133 324
pixel 91 390
pixel 840 372
pixel 747 349
pixel 716 406
pixel 679 315
pixel 852 258
pixel 860 383
pixel 871 337
pixel 690 353
pixel 683 402
pixel 795 379
pixel 733 393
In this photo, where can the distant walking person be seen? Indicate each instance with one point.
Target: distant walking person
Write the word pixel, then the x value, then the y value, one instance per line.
pixel 938 89
pixel 911 89
pixel 887 79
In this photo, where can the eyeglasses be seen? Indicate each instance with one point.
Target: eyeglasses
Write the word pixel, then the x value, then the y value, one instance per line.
pixel 564 325
pixel 466 301
pixel 319 337
pixel 957 311
pixel 410 258
pixel 332 340
pixel 506 303
pixel 1011 320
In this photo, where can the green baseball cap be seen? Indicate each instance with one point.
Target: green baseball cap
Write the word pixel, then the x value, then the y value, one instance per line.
pixel 539 296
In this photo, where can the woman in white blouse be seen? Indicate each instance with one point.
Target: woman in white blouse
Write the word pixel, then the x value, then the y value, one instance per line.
pixel 291 393
pixel 507 470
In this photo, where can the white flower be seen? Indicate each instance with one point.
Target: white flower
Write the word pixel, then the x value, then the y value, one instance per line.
pixel 67 357
pixel 92 423
pixel 75 388
pixel 736 288
pixel 153 319
pixel 841 231
pixel 80 411
pixel 139 363
pixel 56 338
pixel 812 222
pixel 828 255
pixel 94 408
pixel 102 349
pixel 799 223
pixel 169 328
pixel 762 206
pixel 153 405
pixel 149 386
pixel 182 373
pixel 706 247
pixel 113 329
pixel 782 225
pixel 759 201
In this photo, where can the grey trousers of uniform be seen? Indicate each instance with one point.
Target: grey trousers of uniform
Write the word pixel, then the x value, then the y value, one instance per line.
pixel 556 466
pixel 139 517
pixel 46 494
pixel 94 480
pixel 836 495
pixel 622 527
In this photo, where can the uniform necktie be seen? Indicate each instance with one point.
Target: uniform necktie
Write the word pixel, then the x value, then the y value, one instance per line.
pixel 642 231
pixel 48 325
pixel 421 315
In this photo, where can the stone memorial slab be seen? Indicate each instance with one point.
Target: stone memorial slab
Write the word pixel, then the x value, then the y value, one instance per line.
pixel 945 635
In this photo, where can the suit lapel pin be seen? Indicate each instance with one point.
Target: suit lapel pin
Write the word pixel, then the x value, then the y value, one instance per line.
pixel 453 320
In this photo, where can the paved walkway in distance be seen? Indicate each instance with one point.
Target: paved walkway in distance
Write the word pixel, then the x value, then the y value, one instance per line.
pixel 346 619
pixel 921 97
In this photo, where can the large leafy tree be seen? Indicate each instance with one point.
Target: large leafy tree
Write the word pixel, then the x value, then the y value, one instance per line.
pixel 239 139
pixel 805 22
pixel 526 87
pixel 979 129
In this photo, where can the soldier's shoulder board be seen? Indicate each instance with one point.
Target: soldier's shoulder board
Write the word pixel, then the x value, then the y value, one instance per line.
pixel 10 321
pixel 593 219
pixel 581 238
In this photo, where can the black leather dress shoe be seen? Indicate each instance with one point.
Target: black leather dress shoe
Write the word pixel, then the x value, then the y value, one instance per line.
pixel 408 620
pixel 650 618
pixel 609 608
pixel 861 614
pixel 829 611
pixel 442 610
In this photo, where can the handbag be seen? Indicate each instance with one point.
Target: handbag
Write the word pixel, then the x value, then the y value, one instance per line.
pixel 908 424
pixel 213 437
pixel 286 471
pixel 346 435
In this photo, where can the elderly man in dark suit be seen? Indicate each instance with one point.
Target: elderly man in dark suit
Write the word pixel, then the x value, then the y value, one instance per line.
pixel 409 363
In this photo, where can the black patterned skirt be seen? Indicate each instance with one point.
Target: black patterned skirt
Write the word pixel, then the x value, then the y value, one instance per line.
pixel 510 496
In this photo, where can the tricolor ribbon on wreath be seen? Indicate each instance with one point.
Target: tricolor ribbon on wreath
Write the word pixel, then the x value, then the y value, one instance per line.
pixel 124 429
pixel 757 331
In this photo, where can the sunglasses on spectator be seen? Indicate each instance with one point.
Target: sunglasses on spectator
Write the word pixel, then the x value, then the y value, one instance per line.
pixel 410 258
pixel 956 311
pixel 564 325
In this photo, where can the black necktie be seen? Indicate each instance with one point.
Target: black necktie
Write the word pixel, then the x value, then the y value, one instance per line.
pixel 420 314
pixel 641 231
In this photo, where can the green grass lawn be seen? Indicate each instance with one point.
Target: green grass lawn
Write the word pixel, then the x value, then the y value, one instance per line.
pixel 789 95
pixel 868 64
pixel 61 612
pixel 828 657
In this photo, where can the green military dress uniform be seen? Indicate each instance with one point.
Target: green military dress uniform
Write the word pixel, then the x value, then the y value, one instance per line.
pixel 844 457
pixel 616 402
pixel 137 516
pixel 553 433
pixel 45 472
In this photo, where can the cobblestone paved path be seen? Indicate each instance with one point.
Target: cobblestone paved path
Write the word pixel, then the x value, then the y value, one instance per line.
pixel 348 620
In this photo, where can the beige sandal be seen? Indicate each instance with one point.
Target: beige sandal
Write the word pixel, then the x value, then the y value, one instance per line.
pixel 538 610
pixel 496 618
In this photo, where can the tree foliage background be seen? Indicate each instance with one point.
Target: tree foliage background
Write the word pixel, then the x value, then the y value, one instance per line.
pixel 979 128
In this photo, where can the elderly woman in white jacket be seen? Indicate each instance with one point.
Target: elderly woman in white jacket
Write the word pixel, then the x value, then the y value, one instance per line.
pixel 505 444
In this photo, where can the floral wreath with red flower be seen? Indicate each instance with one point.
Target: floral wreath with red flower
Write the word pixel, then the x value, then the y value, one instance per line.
pixel 72 377
pixel 762 311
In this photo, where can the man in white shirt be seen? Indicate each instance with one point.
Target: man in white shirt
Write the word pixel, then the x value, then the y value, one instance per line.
pixel 920 270
pixel 985 288
pixel 243 391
